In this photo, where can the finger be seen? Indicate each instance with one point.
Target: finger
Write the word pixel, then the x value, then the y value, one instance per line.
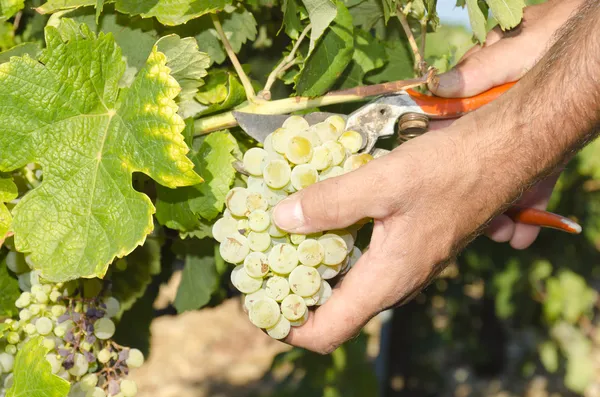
pixel 493 36
pixel 352 304
pixel 524 236
pixel 337 202
pixel 500 229
pixel 440 124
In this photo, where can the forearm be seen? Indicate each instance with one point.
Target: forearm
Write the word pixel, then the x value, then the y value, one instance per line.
pixel 551 113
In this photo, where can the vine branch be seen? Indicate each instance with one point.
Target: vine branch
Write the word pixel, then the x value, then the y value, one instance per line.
pixel 283 106
pixel 250 94
pixel 411 38
pixel 285 64
pixel 423 65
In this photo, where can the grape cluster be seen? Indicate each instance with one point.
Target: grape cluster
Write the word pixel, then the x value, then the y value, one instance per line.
pixel 282 275
pixel 77 331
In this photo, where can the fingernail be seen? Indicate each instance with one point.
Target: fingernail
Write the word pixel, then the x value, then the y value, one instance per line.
pixel 447 83
pixel 288 214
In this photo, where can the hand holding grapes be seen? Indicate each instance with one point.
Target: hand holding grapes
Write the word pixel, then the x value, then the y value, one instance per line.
pixel 432 195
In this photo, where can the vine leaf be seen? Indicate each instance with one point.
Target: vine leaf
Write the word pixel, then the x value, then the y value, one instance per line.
pixel 321 13
pixel 398 67
pixel 9 8
pixel 9 291
pixel 331 56
pixel 508 13
pixel 168 12
pixel 142 264
pixel 291 18
pixel 32 373
pixel 369 54
pixel 180 208
pixel 223 91
pixel 67 113
pixel 478 20
pixel 8 192
pixel 199 279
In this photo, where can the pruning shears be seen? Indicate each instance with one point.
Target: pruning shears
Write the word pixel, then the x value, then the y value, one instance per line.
pixel 408 114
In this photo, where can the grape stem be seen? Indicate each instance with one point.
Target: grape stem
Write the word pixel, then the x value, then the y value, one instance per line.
pixel 411 38
pixel 283 106
pixel 285 64
pixel 250 94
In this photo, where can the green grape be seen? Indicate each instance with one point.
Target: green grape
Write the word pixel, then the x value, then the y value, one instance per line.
pixel 300 322
pixel 338 122
pixel 254 161
pixel 234 248
pixel 312 136
pixel 274 196
pixel 277 174
pixel 88 382
pixel 295 123
pixel 135 359
pixel 104 356
pixel 223 228
pixel 55 362
pixel 243 282
pixel 264 313
pixel 80 366
pixel 283 258
pixel 259 220
pixel 112 306
pixel 297 239
pixel 253 297
pixel 356 161
pixel 96 392
pixel 293 307
pixel 44 325
pixel 236 201
pixel 322 158
pixel 104 328
pixel 324 293
pixel 128 388
pixel 281 329
pixel 243 227
pixel 303 176
pixel 256 265
pixel 337 151
pixel 259 241
pixel 327 132
pixel 311 252
pixel 328 272
pixel 6 362
pixel 335 248
pixel 299 150
pixel 277 288
pixel 305 281
pixel 352 141
pixel 256 201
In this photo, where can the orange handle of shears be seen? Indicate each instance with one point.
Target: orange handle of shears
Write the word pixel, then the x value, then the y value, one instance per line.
pixel 533 216
pixel 447 108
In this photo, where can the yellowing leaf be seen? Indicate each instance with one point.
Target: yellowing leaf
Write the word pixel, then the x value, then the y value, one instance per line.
pixel 8 191
pixel 67 113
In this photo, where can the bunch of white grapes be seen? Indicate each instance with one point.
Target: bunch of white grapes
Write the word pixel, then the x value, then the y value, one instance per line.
pixel 282 275
pixel 77 332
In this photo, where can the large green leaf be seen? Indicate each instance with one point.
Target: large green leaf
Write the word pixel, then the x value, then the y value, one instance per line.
pixel 142 264
pixel 199 279
pixel 180 208
pixel 9 291
pixel 67 113
pixel 167 12
pixel 398 67
pixel 369 54
pixel 478 20
pixel 32 373
pixel 291 18
pixel 8 192
pixel 508 13
pixel 330 57
pixel 321 13
pixel 223 91
pixel 8 8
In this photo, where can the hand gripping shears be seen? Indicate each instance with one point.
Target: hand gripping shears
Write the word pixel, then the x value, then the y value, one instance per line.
pixel 406 113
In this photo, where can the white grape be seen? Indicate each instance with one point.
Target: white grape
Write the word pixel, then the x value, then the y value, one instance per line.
pixel 135 358
pixel 337 121
pixel 44 325
pixel 296 239
pixel 243 227
pixel 80 365
pixel 299 150
pixel 335 248
pixel 328 272
pixel 281 329
pixel 55 362
pixel 255 184
pixel 234 248
pixel 254 160
pixel 268 144
pixel 13 338
pixel 327 132
pixel 274 231
pixel 303 176
pixel 274 196
pixel 88 382
pixel 277 173
pixel 331 173
pixel 253 297
pixel 11 349
pixel 300 322
pixel 277 288
pixel 128 388
pixel 283 258
pixel 356 161
pixel 352 141
pixel 280 138
pixel 104 328
pixel 25 315
pixel 311 252
pixel 104 356
pixel 304 280
pixel 243 282
pixel 256 201
pixel 96 392
pixel 321 158
pixel 6 362
pixel 112 306
pixel 41 297
pixel 347 237
pixel 293 307
pixel 54 296
pixel 312 136
pixel 295 123
pixel 324 293
pixel 259 241
pixel 236 200
pixel 312 300
pixel 264 313
pixel 289 188
pixel 23 300
pixel 337 151
pixel 256 264
pixel 259 220
pixel 30 329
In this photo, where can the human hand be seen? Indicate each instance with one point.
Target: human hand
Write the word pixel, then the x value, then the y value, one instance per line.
pixel 506 57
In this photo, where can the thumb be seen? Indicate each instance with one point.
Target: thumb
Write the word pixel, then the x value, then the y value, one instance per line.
pixel 334 203
pixel 502 62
